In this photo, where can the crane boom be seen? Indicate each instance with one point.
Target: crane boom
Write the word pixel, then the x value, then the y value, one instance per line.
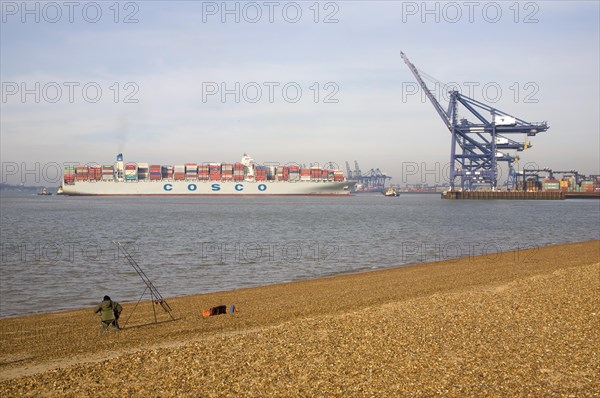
pixel 424 87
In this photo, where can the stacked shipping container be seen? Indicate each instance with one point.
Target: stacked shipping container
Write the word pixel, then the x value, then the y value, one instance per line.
pixel 282 173
pixel 191 171
pixel 532 185
pixel 166 172
pixel 143 171
pixel 304 174
pixel 69 177
pixel 130 172
pixel 155 172
pixel 202 172
pixel 293 173
pixel 588 186
pixel 551 185
pixel 82 173
pixel 227 172
pixel 214 171
pixel 108 172
pixel 179 172
pixel 315 173
pixel 260 173
pixel 238 171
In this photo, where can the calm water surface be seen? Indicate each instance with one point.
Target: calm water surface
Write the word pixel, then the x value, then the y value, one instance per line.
pixel 57 251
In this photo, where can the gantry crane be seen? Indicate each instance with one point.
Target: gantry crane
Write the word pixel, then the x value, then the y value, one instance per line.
pixel 534 173
pixel 375 179
pixel 477 147
pixel 574 173
pixel 357 173
pixel 348 171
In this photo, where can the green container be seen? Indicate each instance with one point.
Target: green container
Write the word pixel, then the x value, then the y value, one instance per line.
pixel 551 185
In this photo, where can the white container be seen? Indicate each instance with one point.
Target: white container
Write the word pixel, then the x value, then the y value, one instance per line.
pixel 501 120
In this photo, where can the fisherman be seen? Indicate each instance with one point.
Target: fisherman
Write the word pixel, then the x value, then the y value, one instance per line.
pixel 109 312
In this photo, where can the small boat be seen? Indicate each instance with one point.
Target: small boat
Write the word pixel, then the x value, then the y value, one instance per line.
pixel 59 191
pixel 391 192
pixel 44 191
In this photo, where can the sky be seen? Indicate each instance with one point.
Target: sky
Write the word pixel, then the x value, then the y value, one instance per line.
pixel 307 82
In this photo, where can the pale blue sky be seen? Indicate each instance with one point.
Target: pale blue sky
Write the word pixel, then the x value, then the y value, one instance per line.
pixel 171 53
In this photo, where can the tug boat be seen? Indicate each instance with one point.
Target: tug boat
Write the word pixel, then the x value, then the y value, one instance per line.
pixel 390 192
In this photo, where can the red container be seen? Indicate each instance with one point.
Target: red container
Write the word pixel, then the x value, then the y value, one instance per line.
pixel 179 176
pixel 588 187
pixel 95 173
pixel 338 176
pixel 215 175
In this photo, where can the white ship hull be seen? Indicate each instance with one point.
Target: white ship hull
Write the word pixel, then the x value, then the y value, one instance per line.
pixel 194 187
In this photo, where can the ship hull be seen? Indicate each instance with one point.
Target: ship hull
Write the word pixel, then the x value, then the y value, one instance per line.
pixel 211 188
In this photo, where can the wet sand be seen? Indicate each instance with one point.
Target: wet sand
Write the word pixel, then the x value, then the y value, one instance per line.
pixel 523 323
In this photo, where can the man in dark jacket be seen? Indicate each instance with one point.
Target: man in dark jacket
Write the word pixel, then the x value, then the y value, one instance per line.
pixel 109 312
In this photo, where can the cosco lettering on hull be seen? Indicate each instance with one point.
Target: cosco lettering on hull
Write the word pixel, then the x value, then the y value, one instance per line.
pixel 215 187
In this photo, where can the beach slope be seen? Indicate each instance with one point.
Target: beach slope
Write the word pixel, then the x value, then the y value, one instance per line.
pixel 523 323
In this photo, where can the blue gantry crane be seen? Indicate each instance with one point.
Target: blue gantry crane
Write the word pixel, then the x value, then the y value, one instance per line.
pixel 477 147
pixel 372 181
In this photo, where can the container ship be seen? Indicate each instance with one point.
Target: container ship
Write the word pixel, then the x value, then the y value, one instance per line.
pixel 243 178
